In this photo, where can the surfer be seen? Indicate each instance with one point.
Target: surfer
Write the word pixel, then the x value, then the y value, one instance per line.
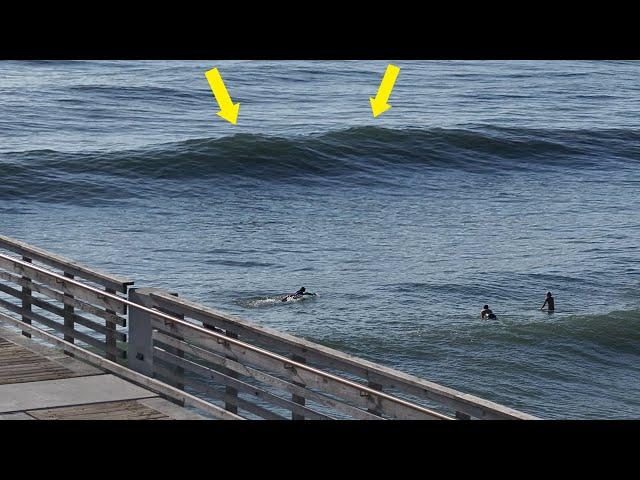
pixel 298 294
pixel 487 313
pixel 550 302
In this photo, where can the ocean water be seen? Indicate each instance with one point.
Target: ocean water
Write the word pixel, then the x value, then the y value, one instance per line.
pixel 486 182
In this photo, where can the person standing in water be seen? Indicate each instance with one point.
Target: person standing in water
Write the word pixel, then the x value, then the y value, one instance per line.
pixel 487 313
pixel 550 302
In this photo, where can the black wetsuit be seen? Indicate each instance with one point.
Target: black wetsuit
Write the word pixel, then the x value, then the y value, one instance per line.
pixel 296 295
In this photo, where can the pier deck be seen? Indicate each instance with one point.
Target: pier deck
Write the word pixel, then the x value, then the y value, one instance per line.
pixel 39 382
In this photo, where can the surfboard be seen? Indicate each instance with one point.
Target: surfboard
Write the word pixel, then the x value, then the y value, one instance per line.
pixel 296 298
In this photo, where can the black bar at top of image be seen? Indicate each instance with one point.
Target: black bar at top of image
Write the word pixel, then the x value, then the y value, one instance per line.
pixel 403 35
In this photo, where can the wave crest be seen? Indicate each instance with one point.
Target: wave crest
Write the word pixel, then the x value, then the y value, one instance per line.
pixel 362 154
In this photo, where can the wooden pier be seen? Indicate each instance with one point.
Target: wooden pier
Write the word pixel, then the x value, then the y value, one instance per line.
pixel 42 383
pixel 151 350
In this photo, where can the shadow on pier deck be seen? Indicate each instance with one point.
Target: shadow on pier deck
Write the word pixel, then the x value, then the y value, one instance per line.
pixel 124 351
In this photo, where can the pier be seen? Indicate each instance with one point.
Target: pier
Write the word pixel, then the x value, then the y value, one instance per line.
pixel 41 383
pixel 95 345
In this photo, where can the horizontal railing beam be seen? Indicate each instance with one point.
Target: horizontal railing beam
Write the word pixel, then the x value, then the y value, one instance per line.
pixel 260 376
pixel 66 285
pixel 219 395
pixel 61 297
pixel 117 283
pixel 240 386
pixel 69 332
pixel 37 302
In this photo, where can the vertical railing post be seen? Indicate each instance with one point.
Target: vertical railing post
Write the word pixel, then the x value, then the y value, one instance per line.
pixel 230 391
pixel 68 317
pixel 110 338
pixel 177 369
pixel 139 339
pixel 26 296
pixel 375 386
pixel 140 346
pixel 297 398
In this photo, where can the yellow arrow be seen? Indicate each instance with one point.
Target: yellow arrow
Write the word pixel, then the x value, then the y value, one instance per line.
pixel 228 109
pixel 379 104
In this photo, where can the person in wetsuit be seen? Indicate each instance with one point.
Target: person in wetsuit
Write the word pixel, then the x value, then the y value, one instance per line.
pixel 487 313
pixel 302 291
pixel 550 302
pixel 298 294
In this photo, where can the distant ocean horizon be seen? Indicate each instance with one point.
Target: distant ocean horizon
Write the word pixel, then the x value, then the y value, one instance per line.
pixel 487 182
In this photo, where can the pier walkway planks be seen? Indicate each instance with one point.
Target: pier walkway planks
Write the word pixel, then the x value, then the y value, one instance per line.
pixel 40 382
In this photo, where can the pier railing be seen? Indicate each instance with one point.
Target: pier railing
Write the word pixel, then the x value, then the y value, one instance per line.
pixel 216 362
pixel 62 306
pixel 179 346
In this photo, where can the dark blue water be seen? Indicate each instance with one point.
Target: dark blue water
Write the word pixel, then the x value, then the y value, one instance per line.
pixel 486 182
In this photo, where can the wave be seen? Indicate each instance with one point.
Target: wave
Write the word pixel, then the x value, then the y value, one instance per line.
pixel 617 331
pixel 363 155
pixel 607 337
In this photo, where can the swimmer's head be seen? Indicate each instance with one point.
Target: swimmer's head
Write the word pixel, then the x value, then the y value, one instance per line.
pixel 548 294
pixel 486 307
pixel 302 289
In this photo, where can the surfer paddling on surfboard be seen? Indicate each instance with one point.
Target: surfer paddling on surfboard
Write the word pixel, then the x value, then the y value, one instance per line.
pixel 299 294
